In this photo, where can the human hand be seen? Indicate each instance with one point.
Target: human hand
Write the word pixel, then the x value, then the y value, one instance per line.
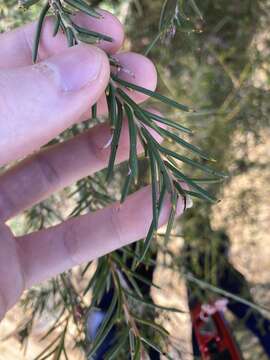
pixel 38 102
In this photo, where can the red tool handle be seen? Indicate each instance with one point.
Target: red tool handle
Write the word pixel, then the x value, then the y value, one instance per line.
pixel 214 336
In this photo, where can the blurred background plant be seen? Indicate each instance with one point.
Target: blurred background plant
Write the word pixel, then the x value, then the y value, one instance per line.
pixel 213 57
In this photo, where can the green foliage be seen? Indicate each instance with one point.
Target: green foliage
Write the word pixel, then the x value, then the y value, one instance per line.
pixel 138 119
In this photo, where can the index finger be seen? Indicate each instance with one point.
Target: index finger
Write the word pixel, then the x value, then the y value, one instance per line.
pixel 16 45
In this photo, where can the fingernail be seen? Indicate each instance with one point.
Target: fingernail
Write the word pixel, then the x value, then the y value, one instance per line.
pixel 76 67
pixel 189 202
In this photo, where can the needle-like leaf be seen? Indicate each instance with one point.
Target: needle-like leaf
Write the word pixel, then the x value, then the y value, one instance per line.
pixel 56 25
pixel 196 9
pixel 153 169
pixel 152 325
pixel 183 177
pixel 112 104
pixel 115 139
pixel 168 122
pixel 84 7
pixel 133 160
pixel 151 304
pixel 152 94
pixel 94 34
pixel 137 350
pixel 25 4
pixel 191 162
pixel 41 19
pixel 94 111
pixel 151 231
pixel 126 187
pixel 171 216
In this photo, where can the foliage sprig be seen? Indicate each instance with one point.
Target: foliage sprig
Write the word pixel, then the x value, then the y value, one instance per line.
pixel 165 173
pixel 166 178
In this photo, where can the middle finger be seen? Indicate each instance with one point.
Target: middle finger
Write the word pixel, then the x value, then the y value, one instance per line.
pixel 58 166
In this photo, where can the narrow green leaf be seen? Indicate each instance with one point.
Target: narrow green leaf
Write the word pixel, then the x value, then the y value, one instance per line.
pixel 94 111
pixel 165 133
pixel 168 122
pixel 65 354
pixel 129 274
pixel 154 182
pixel 115 140
pixel 93 33
pixel 207 180
pixel 171 217
pixel 151 231
pixel 137 350
pixel 112 105
pixel 152 324
pixel 196 9
pixel 84 7
pixel 25 4
pixel 49 347
pixel 96 275
pixel 45 357
pixel 61 345
pixel 41 19
pixel 206 286
pixel 136 254
pixel 152 146
pixel 133 159
pixel 185 178
pixel 195 194
pixel 153 43
pixel 134 284
pixel 105 322
pixel 131 341
pixel 152 94
pixel 144 280
pixel 143 131
pixel 147 243
pixel 151 345
pixel 100 285
pixel 86 268
pixel 126 187
pixel 151 304
pixel 55 325
pixel 56 25
pixel 114 352
pixel 70 36
pixel 163 19
pixel 191 162
pixel 131 103
pixel 99 340
pixel 87 39
pixel 185 144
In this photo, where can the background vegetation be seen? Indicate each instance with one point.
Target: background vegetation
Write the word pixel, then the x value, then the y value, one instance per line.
pixel 219 65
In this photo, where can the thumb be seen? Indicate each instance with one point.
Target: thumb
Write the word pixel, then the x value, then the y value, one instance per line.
pixel 40 101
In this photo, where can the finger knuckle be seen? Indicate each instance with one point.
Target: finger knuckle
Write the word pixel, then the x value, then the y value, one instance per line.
pixel 115 220
pixel 48 174
pixel 71 244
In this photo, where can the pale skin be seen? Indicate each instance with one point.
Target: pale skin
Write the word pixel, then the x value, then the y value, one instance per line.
pixel 37 102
